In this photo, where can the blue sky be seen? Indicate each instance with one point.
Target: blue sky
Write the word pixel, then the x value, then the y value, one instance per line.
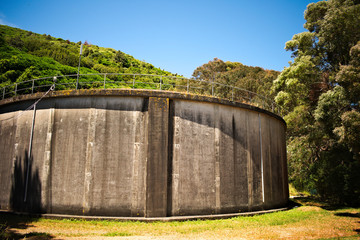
pixel 177 36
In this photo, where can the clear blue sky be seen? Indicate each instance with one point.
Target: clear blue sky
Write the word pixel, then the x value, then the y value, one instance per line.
pixel 177 36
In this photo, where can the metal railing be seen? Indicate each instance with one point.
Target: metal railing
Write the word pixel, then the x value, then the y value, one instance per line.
pixel 141 81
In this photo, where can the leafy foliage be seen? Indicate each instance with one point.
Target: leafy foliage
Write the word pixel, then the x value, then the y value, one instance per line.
pixel 254 79
pixel 320 91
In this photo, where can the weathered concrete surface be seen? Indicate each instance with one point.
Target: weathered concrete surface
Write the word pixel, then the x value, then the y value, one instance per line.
pixel 219 165
pixel 133 155
pixel 7 150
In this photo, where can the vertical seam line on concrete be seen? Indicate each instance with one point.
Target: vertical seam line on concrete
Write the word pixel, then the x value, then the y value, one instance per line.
pixel 284 168
pixel 249 166
pixel 262 162
pixel 217 171
pixel 175 198
pixel 270 166
pixel 170 157
pixel 146 169
pixel 135 166
pixel 217 160
pixel 88 159
pixel 47 158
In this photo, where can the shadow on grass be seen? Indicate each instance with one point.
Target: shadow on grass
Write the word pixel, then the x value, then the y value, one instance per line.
pixel 9 222
pixel 293 203
pixel 314 201
pixel 306 201
pixel 347 214
pixel 350 215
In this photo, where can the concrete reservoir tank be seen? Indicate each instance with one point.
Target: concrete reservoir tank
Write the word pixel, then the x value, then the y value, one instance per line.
pixel 138 153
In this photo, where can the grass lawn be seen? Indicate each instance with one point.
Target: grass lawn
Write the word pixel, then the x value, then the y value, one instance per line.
pixel 312 220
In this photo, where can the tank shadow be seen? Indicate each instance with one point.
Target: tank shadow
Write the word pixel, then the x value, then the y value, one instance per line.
pixel 26 188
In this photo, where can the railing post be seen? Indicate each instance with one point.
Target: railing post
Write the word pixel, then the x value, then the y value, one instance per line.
pixel 15 88
pixel 104 81
pixel 187 86
pixel 77 82
pixel 3 94
pixel 232 94
pixel 212 88
pixel 78 73
pixel 54 80
pixel 134 81
pixel 32 88
pixel 160 82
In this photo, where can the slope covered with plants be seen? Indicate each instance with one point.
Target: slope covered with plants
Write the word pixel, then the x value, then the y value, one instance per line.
pixel 26 55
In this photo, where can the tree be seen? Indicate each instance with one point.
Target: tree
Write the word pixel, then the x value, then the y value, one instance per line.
pixel 210 71
pixel 320 92
pixel 349 76
pixel 235 74
pixel 336 24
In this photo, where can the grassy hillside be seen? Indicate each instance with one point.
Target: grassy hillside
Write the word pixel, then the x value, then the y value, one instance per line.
pixel 26 55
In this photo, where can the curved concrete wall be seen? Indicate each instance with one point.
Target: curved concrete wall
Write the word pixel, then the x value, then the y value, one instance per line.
pixel 140 154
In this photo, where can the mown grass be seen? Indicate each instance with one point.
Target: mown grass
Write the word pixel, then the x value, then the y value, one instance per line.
pixel 116 234
pixel 312 220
